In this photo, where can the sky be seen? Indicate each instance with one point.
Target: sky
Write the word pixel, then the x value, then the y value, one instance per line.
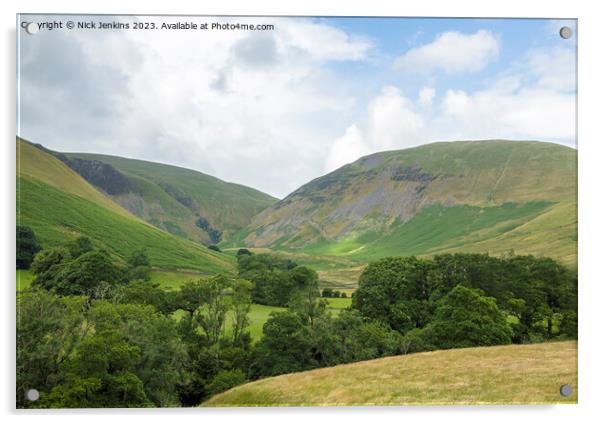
pixel 275 109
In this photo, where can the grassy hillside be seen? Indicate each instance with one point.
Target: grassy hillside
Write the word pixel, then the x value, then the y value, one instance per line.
pixel 34 163
pixel 482 196
pixel 530 374
pixel 174 199
pixel 59 206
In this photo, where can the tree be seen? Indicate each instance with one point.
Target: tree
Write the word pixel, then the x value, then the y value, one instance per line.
pixel 306 300
pixel 27 247
pixel 131 357
pixel 243 252
pixel 363 340
pixel 241 306
pixel 285 347
pixel 147 293
pixel 397 292
pixel 139 266
pixel 162 354
pixel 92 274
pixel 275 279
pixel 100 375
pixel 79 246
pixel 47 265
pixel 211 314
pixel 327 292
pixel 466 318
pixel 48 330
pixel 138 258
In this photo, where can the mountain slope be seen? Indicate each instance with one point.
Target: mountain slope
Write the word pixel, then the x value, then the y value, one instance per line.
pixel 34 163
pixel 181 201
pixel 469 196
pixel 59 205
pixel 527 374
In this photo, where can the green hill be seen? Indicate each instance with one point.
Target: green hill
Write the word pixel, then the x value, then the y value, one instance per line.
pixel 479 196
pixel 59 205
pixel 526 374
pixel 181 201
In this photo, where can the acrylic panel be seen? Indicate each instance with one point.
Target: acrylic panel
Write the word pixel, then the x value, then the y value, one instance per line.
pixel 223 211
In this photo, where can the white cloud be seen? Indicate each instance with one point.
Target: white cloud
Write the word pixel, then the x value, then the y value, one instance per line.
pixel 426 96
pixel 554 69
pixel 534 99
pixel 394 121
pixel 346 149
pixel 242 106
pixel 270 109
pixel 452 52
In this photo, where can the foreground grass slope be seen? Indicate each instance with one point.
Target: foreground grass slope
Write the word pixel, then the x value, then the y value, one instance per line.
pixel 529 374
pixel 60 206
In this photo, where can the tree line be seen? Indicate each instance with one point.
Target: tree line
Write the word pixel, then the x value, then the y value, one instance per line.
pixel 96 332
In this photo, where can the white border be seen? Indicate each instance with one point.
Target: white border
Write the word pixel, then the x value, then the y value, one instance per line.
pixel 590 121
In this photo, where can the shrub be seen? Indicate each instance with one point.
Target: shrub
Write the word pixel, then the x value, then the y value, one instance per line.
pixel 225 380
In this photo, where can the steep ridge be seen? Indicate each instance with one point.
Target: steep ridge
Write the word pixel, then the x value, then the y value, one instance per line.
pixel 493 196
pixel 181 201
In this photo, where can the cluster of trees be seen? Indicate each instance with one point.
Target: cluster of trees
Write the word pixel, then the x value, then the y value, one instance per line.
pixel 330 293
pixel 79 269
pixel 276 280
pixel 470 299
pixel 93 332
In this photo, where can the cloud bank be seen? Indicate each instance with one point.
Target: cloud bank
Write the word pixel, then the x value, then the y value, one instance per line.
pixel 274 109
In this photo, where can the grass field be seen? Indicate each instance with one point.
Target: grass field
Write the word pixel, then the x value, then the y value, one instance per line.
pixel 174 279
pixel 257 317
pixel 259 314
pixel 509 374
pixel 24 278
pixel 434 228
pixel 337 304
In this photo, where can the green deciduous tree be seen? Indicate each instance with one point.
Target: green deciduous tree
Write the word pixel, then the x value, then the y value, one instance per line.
pixel 397 292
pixel 27 247
pixel 466 318
pixel 48 330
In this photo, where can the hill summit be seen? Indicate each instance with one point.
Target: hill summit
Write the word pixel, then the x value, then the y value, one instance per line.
pixel 486 196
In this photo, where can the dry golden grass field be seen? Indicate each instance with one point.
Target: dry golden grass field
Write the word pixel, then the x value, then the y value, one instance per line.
pixel 512 374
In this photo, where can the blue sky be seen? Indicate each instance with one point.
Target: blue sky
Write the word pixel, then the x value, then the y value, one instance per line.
pixel 395 36
pixel 275 109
